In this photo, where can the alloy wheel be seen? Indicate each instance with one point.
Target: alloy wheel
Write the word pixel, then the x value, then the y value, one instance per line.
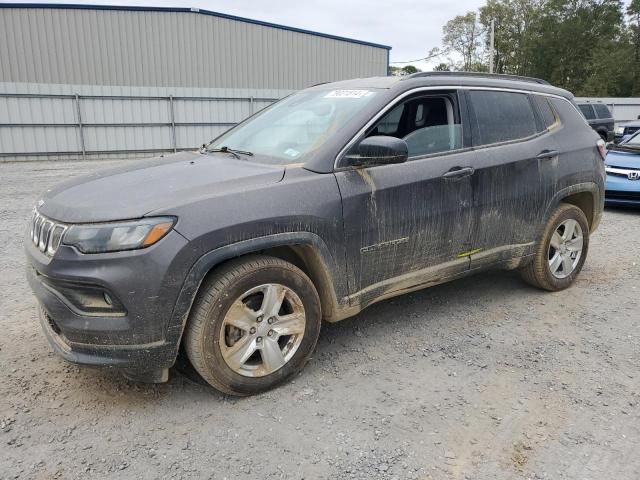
pixel 262 330
pixel 565 248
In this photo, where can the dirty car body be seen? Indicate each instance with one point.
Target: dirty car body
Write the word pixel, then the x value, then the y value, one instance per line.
pixel 463 197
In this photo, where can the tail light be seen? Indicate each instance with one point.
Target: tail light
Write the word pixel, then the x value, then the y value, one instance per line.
pixel 602 148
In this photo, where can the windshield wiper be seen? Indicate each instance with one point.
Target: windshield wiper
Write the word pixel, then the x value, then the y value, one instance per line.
pixel 232 151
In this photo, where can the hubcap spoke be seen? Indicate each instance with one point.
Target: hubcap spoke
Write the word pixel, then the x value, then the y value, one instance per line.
pixel 567 264
pixel 272 356
pixel 556 240
pixel 569 228
pixel 239 353
pixel 555 262
pixel 241 316
pixel 292 324
pixel 574 245
pixel 273 297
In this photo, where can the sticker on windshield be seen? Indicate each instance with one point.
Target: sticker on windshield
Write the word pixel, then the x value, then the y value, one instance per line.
pixel 290 152
pixel 348 94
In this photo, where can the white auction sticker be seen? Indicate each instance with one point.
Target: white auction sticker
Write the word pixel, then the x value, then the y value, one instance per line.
pixel 347 94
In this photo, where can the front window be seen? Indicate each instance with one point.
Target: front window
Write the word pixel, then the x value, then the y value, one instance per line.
pixel 291 129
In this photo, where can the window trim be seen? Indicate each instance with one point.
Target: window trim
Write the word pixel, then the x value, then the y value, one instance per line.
pixel 464 114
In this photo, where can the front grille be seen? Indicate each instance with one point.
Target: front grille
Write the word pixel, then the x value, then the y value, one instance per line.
pixel 621 195
pixel 631 130
pixel 46 234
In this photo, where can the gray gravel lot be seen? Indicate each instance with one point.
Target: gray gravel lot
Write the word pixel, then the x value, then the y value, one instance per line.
pixel 483 378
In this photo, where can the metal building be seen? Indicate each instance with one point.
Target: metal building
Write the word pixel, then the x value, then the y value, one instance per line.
pixel 81 81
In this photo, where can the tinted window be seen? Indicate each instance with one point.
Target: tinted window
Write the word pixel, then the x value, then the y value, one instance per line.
pixel 587 111
pixel 545 110
pixel 602 111
pixel 502 116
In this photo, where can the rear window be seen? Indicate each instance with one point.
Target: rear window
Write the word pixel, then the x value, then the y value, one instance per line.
pixel 547 114
pixel 587 111
pixel 501 116
pixel 602 111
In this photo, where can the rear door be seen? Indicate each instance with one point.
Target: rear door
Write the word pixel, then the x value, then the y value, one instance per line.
pixel 509 192
pixel 405 224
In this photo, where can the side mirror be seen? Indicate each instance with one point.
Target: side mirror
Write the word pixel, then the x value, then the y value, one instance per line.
pixel 381 150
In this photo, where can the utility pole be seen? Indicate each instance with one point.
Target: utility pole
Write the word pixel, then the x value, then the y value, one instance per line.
pixel 491 42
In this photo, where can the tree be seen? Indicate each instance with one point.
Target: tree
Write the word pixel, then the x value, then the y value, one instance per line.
pixel 463 35
pixel 633 12
pixel 409 69
pixel 513 20
pixel 442 67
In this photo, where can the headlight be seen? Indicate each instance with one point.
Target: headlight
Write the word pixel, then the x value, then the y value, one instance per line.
pixel 619 130
pixel 116 236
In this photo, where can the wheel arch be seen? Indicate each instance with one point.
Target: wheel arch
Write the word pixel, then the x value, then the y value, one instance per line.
pixel 586 196
pixel 305 250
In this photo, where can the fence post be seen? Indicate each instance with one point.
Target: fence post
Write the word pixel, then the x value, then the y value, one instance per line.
pixel 173 124
pixel 80 130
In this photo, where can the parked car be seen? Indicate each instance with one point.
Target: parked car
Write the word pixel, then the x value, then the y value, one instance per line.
pixel 622 165
pixel 625 130
pixel 600 119
pixel 334 198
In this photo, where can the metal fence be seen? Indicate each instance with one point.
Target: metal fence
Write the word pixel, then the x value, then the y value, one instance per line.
pixel 48 125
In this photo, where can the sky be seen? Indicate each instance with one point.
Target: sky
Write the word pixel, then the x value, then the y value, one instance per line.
pixel 411 27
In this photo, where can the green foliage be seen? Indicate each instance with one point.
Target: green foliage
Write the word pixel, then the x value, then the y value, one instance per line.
pixel 591 47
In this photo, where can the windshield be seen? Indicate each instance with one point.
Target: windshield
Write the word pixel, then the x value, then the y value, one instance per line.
pixel 633 141
pixel 291 129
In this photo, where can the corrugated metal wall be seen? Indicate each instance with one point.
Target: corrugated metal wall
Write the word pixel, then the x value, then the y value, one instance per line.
pixel 96 82
pixel 44 121
pixel 168 48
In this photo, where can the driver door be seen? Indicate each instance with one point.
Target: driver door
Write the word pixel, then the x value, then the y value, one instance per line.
pixel 408 224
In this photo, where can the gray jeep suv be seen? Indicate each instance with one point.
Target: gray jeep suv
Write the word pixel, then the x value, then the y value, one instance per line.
pixel 334 198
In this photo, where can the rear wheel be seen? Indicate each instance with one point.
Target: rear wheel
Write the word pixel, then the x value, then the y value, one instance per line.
pixel 255 323
pixel 562 250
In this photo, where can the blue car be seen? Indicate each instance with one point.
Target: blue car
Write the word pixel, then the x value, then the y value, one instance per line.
pixel 622 165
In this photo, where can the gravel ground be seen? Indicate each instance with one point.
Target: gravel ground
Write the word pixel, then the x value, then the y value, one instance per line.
pixel 482 378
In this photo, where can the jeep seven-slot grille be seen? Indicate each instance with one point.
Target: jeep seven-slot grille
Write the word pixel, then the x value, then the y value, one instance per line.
pixel 46 234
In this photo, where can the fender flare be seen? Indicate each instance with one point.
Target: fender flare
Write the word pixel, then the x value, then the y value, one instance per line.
pixel 211 259
pixel 589 187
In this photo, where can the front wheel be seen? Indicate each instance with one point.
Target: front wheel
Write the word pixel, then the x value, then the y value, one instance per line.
pixel 561 252
pixel 254 324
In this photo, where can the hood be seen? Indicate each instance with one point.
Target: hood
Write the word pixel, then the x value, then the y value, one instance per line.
pixel 623 159
pixel 136 189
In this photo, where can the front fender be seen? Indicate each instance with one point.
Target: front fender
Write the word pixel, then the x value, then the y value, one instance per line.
pixel 210 260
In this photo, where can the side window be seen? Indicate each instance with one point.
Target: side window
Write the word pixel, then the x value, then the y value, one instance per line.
pixel 587 111
pixel 602 110
pixel 501 116
pixel 547 114
pixel 390 122
pixel 429 124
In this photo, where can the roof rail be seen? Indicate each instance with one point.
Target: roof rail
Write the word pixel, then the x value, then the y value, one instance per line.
pixel 498 76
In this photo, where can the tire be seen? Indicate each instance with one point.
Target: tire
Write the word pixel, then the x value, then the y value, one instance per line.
pixel 540 272
pixel 231 339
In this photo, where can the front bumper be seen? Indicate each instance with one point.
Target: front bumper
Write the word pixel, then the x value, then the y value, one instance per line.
pixel 142 285
pixel 621 191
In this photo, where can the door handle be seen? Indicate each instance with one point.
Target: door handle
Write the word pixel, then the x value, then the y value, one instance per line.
pixel 543 155
pixel 459 172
